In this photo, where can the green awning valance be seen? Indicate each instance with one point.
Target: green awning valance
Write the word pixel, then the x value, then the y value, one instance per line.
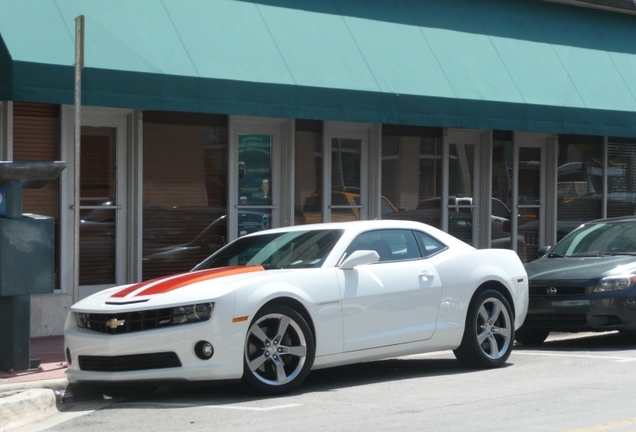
pixel 493 64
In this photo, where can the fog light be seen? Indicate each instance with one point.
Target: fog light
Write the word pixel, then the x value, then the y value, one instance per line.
pixel 204 350
pixel 69 359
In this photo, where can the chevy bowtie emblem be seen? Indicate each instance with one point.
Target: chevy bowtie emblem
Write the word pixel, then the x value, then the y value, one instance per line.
pixel 551 290
pixel 114 323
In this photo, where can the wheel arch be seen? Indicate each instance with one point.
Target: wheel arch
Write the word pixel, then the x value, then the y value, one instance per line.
pixel 499 287
pixel 298 307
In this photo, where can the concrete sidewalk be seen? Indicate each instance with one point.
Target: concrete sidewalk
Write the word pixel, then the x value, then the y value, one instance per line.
pixel 30 394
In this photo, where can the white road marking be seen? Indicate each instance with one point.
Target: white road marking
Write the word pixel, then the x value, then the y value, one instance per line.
pixel 230 407
pixel 536 353
pixel 189 405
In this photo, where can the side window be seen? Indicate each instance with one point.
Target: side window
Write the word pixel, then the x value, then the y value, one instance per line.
pixel 428 244
pixel 391 245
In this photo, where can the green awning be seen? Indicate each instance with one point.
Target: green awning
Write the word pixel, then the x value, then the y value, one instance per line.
pixel 493 64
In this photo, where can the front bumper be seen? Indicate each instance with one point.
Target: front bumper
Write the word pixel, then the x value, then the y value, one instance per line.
pixel 148 348
pixel 594 312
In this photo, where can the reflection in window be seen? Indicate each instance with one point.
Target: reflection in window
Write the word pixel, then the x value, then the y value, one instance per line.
pixel 98 187
pixel 412 173
pixel 308 174
pixel 580 181
pixel 185 187
pixel 36 137
pixel 346 158
pixel 501 189
pixel 621 177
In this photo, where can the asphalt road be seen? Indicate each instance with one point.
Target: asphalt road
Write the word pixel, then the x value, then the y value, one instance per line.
pixel 579 383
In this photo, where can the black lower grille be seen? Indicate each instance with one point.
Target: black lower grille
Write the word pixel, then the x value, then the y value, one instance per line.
pixel 556 320
pixel 127 363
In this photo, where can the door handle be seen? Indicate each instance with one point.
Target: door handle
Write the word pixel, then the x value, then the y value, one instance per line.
pixel 426 274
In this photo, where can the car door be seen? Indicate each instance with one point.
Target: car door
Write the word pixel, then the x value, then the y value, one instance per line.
pixel 393 301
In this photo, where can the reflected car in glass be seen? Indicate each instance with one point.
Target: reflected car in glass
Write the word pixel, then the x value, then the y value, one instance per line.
pixel 586 282
pixel 270 306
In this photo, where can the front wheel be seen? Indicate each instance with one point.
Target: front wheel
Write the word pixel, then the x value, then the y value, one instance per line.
pixel 489 332
pixel 279 351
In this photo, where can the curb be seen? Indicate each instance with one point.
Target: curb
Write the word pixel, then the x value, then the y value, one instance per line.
pixel 28 402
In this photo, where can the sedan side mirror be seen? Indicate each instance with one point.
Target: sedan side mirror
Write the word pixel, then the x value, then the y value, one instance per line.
pixel 543 250
pixel 360 257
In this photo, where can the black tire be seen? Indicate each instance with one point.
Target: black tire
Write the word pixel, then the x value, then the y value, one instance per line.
pixel 279 351
pixel 489 332
pixel 531 337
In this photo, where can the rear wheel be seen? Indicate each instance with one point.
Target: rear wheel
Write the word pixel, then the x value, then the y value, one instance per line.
pixel 489 332
pixel 279 351
pixel 531 337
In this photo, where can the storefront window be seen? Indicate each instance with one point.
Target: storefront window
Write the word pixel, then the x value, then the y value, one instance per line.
pixel 36 137
pixel 621 177
pixel 500 236
pixel 580 181
pixel 308 175
pixel 412 174
pixel 184 190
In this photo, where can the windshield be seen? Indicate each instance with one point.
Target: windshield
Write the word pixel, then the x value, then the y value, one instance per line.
pixel 296 249
pixel 606 238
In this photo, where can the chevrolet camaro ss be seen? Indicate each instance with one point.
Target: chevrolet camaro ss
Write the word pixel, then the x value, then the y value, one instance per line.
pixel 271 306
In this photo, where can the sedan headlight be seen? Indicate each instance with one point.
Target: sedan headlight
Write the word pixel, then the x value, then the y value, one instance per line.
pixel 192 313
pixel 615 283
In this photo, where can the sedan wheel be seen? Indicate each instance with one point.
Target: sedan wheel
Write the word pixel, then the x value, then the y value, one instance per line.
pixel 489 332
pixel 279 351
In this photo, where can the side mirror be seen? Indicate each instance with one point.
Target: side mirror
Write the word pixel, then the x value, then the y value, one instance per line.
pixel 543 250
pixel 360 257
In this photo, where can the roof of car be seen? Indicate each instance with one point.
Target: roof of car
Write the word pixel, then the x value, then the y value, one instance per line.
pixel 355 225
pixel 631 218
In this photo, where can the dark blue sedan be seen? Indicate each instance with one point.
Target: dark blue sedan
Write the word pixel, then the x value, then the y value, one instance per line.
pixel 586 282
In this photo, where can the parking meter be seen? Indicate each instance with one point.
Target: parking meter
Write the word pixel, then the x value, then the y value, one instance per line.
pixel 26 258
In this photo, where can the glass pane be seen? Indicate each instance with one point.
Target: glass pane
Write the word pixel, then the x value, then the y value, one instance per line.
pixel 529 176
pixel 98 169
pixel 529 200
pixel 253 221
pixel 461 185
pixel 184 191
pixel 580 181
pixel 308 178
pixel 97 247
pixel 528 234
pixel 346 158
pixel 97 260
pixel 36 137
pixel 255 169
pixel 411 174
pixel 621 177
pixel 501 214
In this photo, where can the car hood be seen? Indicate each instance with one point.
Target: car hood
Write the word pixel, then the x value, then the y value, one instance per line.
pixel 579 268
pixel 179 289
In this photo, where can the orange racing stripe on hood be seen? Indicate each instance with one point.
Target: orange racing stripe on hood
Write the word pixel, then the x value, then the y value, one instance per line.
pixel 160 286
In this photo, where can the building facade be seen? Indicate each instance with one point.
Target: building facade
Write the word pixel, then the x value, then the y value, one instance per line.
pixel 506 123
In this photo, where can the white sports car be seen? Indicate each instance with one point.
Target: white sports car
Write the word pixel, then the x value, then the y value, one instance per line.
pixel 271 306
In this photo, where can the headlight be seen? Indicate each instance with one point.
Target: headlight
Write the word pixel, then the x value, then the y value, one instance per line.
pixel 81 319
pixel 615 283
pixel 192 313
